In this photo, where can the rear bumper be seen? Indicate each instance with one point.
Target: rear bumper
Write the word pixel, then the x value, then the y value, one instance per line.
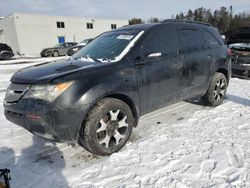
pixel 241 70
pixel 44 119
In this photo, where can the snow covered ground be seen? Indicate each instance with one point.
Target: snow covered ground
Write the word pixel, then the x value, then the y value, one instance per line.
pixel 183 145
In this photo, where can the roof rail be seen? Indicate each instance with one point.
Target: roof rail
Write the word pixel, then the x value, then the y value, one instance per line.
pixel 185 21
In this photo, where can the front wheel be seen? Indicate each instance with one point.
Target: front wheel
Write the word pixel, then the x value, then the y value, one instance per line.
pixel 107 127
pixel 5 56
pixel 216 91
pixel 55 54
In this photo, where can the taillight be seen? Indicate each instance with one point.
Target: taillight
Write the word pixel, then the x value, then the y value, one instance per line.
pixel 229 52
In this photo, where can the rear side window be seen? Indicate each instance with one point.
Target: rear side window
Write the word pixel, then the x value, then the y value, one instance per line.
pixel 212 42
pixel 190 40
pixel 160 40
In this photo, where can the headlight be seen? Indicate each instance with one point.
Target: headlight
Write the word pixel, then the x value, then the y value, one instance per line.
pixel 47 92
pixel 75 49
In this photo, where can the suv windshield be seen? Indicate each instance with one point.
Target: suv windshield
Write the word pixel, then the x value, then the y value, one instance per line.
pixel 110 47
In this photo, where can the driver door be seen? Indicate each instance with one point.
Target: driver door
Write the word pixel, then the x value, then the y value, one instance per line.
pixel 160 70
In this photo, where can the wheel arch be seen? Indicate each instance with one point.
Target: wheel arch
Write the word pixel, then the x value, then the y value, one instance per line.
pixel 225 72
pixel 126 99
pixel 4 52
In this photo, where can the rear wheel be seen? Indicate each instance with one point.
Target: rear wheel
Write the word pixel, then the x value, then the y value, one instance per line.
pixel 216 91
pixel 55 54
pixel 6 56
pixel 107 128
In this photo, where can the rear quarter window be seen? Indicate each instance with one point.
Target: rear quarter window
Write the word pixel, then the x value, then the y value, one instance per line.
pixel 212 42
pixel 190 40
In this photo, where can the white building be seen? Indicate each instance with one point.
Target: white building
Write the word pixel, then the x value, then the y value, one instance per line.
pixel 29 33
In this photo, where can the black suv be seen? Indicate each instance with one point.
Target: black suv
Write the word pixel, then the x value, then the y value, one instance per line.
pixel 5 52
pixel 96 97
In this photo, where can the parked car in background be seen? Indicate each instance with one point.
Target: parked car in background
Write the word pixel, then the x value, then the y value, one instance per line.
pixel 240 60
pixel 238 40
pixel 6 52
pixel 96 97
pixel 76 48
pixel 58 50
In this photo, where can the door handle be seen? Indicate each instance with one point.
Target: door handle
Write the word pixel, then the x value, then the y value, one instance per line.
pixel 140 64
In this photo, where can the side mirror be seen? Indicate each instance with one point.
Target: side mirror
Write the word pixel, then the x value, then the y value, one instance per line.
pixel 151 57
pixel 156 56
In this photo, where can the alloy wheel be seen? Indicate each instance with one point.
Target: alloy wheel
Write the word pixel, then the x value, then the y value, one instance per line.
pixel 112 128
pixel 220 89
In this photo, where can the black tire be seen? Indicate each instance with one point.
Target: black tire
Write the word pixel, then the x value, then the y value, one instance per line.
pixel 216 91
pixel 6 56
pixel 55 54
pixel 112 134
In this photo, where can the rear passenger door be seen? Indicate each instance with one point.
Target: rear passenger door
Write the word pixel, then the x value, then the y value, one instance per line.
pixel 160 79
pixel 192 48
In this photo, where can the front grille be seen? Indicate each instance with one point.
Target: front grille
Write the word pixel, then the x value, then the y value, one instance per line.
pixel 15 92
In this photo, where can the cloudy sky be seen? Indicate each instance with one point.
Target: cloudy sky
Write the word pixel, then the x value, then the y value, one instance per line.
pixel 119 9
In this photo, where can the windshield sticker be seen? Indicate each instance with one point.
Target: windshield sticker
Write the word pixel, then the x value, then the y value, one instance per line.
pixel 125 37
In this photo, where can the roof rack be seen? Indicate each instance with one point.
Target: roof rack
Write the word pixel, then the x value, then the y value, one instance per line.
pixel 185 21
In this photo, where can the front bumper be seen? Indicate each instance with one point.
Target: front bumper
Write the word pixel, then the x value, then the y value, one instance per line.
pixel 44 119
pixel 46 53
pixel 241 70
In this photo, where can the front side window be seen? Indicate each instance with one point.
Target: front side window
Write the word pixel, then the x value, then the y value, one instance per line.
pixel 160 40
pixel 66 45
pixel 190 40
pixel 110 47
pixel 71 44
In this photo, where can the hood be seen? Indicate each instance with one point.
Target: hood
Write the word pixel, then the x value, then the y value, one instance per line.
pixel 240 46
pixel 52 48
pixel 46 72
pixel 238 35
pixel 45 49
